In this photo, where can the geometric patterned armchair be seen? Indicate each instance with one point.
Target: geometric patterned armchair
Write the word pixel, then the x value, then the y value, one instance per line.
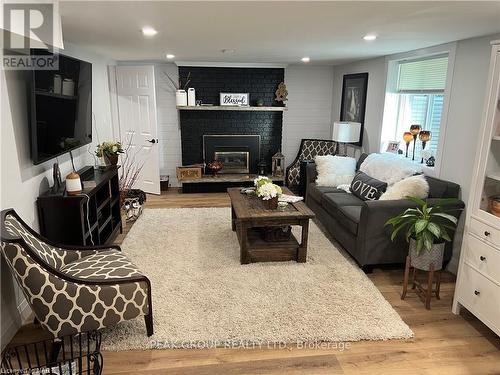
pixel 308 150
pixel 76 289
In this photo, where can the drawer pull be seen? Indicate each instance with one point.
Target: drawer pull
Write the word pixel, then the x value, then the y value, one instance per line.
pixel 477 292
pixel 482 258
pixel 486 233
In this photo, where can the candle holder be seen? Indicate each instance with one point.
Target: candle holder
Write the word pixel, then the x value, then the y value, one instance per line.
pixel 424 136
pixel 407 137
pixel 415 130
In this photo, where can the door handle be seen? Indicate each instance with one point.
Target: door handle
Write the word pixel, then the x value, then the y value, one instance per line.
pixel 153 141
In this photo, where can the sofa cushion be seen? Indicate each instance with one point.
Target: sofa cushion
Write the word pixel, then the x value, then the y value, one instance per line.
pixel 317 192
pixel 333 201
pixel 349 217
pixel 106 264
pixel 442 189
pixel 367 188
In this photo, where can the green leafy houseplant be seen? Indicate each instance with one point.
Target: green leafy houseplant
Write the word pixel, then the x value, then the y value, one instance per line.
pixel 426 225
pixel 109 149
pixel 109 152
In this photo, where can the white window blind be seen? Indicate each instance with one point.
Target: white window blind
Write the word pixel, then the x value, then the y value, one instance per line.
pixel 427 75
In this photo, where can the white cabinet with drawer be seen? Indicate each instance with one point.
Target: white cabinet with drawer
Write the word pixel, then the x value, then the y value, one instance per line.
pixel 483 257
pixel 484 231
pixel 482 297
pixel 478 280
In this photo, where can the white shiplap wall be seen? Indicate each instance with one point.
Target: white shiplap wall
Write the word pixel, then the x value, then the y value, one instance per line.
pixel 169 134
pixel 309 112
pixel 309 115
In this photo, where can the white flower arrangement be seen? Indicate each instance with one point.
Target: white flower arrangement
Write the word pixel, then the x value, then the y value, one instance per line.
pixel 268 191
pixel 261 180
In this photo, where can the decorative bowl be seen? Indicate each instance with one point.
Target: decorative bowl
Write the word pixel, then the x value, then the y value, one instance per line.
pixel 214 167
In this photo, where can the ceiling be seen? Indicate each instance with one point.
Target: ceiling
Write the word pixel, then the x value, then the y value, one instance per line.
pixel 271 31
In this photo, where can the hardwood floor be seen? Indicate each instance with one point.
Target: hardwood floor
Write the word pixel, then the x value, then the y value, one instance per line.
pixel 443 343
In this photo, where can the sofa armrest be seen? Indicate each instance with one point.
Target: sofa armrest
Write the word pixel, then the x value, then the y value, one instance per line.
pixel 390 208
pixel 375 214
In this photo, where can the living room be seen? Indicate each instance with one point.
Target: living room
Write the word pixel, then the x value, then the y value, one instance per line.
pixel 200 187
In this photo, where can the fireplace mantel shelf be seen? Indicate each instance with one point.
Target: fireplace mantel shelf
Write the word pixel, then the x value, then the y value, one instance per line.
pixel 223 178
pixel 230 108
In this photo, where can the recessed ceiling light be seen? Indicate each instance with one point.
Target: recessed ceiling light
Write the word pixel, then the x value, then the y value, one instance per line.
pixel 228 50
pixel 170 56
pixel 305 59
pixel 370 37
pixel 149 31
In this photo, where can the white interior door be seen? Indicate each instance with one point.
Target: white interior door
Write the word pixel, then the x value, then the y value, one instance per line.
pixel 135 88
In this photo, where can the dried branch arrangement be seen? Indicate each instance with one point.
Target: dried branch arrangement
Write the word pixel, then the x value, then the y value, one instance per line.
pixel 179 85
pixel 130 168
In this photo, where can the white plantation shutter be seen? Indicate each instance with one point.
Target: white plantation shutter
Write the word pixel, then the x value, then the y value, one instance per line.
pixel 426 75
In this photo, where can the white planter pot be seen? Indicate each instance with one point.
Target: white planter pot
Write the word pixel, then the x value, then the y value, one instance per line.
pixel 426 258
pixel 181 98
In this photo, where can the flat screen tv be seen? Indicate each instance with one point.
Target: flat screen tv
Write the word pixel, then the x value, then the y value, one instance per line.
pixel 61 108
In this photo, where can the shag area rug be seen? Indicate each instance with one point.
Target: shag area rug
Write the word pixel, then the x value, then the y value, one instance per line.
pixel 203 296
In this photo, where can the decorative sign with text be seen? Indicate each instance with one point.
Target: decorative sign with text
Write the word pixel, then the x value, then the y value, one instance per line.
pixel 238 99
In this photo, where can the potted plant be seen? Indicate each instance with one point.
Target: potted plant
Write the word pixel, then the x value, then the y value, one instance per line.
pixel 109 151
pixel 426 229
pixel 269 192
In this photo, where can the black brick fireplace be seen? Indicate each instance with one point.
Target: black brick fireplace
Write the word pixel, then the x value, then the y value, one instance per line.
pixel 260 83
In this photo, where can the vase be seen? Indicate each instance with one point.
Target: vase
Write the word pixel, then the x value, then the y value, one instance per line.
pixel 270 204
pixel 181 98
pixel 426 258
pixel 111 160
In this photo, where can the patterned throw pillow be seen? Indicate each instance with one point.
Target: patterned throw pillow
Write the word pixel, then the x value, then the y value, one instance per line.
pixel 367 188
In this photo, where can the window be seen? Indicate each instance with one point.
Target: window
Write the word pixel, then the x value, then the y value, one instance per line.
pixel 415 95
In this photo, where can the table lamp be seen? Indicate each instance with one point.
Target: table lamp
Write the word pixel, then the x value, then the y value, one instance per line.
pixel 346 132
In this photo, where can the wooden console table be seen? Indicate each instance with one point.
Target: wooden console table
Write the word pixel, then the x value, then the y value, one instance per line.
pixel 248 214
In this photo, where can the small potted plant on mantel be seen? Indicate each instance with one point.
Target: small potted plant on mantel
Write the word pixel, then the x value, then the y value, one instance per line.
pixel 109 152
pixel 426 229
pixel 269 192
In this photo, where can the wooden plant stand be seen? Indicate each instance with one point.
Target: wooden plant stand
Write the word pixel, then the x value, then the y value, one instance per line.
pixel 424 293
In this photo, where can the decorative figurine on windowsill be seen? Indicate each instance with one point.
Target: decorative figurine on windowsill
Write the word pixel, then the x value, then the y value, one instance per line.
pixel 431 161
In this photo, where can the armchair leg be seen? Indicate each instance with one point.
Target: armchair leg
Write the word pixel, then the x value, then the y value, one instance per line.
pixel 149 323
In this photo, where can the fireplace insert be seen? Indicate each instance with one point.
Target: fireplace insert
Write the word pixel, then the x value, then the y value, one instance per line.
pixel 237 153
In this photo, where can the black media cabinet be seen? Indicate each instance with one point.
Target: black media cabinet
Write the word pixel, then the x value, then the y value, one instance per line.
pixel 63 218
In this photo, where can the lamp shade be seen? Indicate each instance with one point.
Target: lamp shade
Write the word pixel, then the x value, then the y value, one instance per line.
pixel 346 131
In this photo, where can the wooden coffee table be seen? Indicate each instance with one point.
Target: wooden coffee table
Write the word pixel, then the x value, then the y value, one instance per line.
pixel 248 214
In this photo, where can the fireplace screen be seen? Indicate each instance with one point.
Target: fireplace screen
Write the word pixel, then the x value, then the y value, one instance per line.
pixel 233 161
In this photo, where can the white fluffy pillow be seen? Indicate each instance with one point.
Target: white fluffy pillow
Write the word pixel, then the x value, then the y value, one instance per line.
pixel 414 186
pixel 389 167
pixel 334 170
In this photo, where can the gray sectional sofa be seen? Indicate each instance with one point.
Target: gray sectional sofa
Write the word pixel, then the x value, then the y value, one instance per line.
pixel 359 226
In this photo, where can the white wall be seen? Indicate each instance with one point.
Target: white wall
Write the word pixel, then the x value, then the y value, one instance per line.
pixel 464 114
pixel 376 69
pixel 21 181
pixel 169 133
pixel 309 105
